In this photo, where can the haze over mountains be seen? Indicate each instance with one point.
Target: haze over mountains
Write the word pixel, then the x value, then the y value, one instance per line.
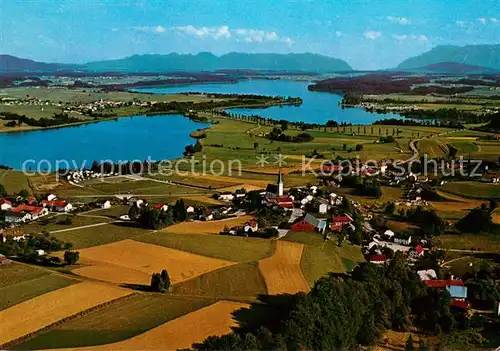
pixel 443 59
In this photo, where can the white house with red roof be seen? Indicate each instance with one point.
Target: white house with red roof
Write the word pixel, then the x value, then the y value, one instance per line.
pixel 57 205
pixel 5 205
pixel 161 207
pixel 285 201
pixel 18 214
pixel 252 225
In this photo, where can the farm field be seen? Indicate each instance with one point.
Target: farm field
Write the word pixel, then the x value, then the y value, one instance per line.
pixel 481 242
pixel 282 272
pixel 238 282
pixel 473 190
pixel 14 181
pixel 209 227
pixel 215 319
pixel 44 310
pixel 117 321
pixel 56 222
pixel 114 212
pixel 100 235
pixel 128 259
pixel 14 273
pixel 320 258
pixel 13 294
pixel 224 247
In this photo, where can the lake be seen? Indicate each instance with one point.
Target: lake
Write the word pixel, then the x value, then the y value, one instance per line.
pixel 164 137
pixel 128 138
pixel 317 107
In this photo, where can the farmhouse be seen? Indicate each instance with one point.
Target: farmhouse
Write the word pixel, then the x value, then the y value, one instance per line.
pixel 309 224
pixel 17 217
pixel 5 205
pixel 417 252
pixel 23 213
pixel 106 204
pixel 403 241
pixel 57 205
pixel 428 274
pixel 377 259
pixel 161 207
pixel 285 201
pixel 252 225
pixel 338 222
pixel 226 197
pixel 456 288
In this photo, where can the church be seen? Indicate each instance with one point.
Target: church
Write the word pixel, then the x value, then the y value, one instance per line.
pixel 275 190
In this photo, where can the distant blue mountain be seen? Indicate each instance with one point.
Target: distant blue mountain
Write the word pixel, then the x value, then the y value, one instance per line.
pixel 9 63
pixel 487 56
pixel 205 61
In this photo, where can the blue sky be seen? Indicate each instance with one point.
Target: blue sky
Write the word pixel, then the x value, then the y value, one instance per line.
pixel 367 34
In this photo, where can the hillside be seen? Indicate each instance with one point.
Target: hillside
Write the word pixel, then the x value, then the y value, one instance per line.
pixel 487 56
pixel 208 62
pixel 10 63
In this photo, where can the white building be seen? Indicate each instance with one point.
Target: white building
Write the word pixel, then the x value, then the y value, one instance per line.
pixel 17 217
pixel 403 241
pixel 190 209
pixel 226 197
pixel 323 208
pixel 5 205
pixel 106 204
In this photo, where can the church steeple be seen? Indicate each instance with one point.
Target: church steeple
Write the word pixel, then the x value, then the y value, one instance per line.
pixel 280 183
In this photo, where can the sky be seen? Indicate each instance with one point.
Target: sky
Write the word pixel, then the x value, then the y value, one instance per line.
pixel 367 34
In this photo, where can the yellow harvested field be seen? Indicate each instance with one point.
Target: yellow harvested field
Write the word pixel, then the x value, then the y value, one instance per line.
pixel 237 187
pixel 204 199
pixel 209 227
pixel 133 262
pixel 182 332
pixel 113 273
pixel 496 218
pixel 41 311
pixel 282 272
pixel 242 182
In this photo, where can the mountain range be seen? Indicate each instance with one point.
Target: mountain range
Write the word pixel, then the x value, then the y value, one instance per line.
pixel 203 61
pixel 487 56
pixel 441 59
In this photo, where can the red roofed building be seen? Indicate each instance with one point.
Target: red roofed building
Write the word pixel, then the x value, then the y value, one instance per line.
pixel 338 222
pixel 302 226
pixel 285 201
pixel 5 205
pixel 34 211
pixel 57 205
pixel 464 305
pixel 442 284
pixel 377 259
pixel 161 207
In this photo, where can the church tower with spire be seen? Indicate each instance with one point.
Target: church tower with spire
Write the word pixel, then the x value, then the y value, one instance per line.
pixel 280 183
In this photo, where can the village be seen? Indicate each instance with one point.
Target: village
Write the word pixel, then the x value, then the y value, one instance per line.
pixel 319 210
